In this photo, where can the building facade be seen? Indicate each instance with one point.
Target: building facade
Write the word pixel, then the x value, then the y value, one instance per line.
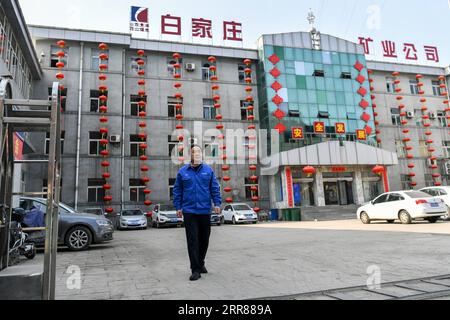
pixel 314 95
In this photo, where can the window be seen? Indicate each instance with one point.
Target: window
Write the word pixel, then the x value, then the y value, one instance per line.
pixel 95 59
pixel 63 98
pixel 211 150
pixel 446 149
pixel 45 188
pixel 400 147
pixel 95 99
pixel 406 182
pixel 413 87
pixel 346 75
pixel 390 85
pixel 206 73
pixel 319 73
pixel 54 59
pixel 171 185
pixel 418 117
pixel 134 67
pixel 323 115
pixel 134 99
pixel 170 69
pixel 172 143
pixel 248 185
pixel 382 199
pixel 395 116
pixel 395 197
pixel 423 149
pixel 135 141
pixel 96 193
pixel 244 112
pixel 137 188
pixel 94 143
pixel 436 89
pixel 47 142
pixel 172 110
pixel 442 119
pixel 209 112
pixel 241 73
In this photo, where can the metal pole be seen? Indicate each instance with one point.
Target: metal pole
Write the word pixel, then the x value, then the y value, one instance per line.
pixel 51 236
pixel 80 95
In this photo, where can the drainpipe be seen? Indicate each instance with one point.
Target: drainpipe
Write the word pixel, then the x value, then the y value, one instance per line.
pixel 80 95
pixel 122 158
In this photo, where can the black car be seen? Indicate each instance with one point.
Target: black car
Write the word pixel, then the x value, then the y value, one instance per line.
pixel 76 230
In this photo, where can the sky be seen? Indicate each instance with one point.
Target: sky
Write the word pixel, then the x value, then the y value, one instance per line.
pixel 401 21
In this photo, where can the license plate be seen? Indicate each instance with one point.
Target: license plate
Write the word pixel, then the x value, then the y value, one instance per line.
pixel 434 205
pixel 174 220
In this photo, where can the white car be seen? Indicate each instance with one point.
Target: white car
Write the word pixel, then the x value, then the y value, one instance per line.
pixel 405 206
pixel 239 213
pixel 165 215
pixel 441 193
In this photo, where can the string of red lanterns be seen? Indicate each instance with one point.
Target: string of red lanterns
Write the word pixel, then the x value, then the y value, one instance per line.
pixel 60 65
pixel 277 99
pixel 375 113
pixel 404 121
pixel 143 135
pixel 215 88
pixel 179 107
pixel 362 91
pixel 252 139
pixel 103 109
pixel 428 133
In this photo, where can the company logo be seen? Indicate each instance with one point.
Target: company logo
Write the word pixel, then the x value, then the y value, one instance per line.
pixel 139 14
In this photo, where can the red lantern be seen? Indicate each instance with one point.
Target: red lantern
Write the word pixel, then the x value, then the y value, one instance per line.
pixel 143 158
pixel 103 56
pixel 105 164
pixel 107 198
pixel 106 175
pixel 309 170
pixel 141 53
pixel 247 62
pixel 141 82
pixel 176 56
pixel 103 119
pixel 148 203
pixel 147 191
pixel 103 46
pixel 145 169
pixel 212 59
pixel 60 64
pixel 104 153
pixel 145 180
pixel 228 189
pixel 229 200
pixel 59 76
pixel 226 178
pixel 107 186
pixel 109 210
pixel 379 170
pixel 61 43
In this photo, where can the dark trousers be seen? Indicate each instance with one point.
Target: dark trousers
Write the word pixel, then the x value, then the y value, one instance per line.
pixel 198 231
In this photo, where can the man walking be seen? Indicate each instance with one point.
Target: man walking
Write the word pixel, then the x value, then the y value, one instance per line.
pixel 196 185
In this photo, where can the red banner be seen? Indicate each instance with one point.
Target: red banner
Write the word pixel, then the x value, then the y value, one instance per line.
pixel 18 147
pixel 290 188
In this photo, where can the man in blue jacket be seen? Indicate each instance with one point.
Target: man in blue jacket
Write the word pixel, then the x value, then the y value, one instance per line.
pixel 195 187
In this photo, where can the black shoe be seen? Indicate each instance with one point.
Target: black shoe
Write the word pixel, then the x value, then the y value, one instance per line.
pixel 195 276
pixel 203 270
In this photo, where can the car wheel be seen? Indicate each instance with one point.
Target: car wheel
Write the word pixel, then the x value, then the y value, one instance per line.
pixel 447 216
pixel 79 239
pixel 365 218
pixel 234 220
pixel 433 220
pixel 404 217
pixel 391 221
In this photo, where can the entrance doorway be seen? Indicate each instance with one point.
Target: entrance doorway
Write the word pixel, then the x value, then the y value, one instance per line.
pixel 339 193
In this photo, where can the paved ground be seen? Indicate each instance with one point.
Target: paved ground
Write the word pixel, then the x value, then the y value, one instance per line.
pixel 267 260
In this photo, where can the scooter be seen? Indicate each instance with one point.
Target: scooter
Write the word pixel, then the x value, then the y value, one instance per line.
pixel 19 244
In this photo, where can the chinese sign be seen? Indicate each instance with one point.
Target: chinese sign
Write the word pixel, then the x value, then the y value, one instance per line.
pixel 290 188
pixel 139 19
pixel 319 127
pixel 394 50
pixel 18 147
pixel 201 28
pixel 340 128
pixel 297 133
pixel 361 135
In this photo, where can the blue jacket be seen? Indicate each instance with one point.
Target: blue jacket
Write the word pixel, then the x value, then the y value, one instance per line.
pixel 195 188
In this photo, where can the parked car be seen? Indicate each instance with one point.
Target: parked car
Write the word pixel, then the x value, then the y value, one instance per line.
pixel 441 193
pixel 96 211
pixel 217 219
pixel 239 213
pixel 165 215
pixel 132 219
pixel 405 206
pixel 76 230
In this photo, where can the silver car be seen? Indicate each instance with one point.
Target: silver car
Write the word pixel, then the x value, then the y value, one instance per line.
pixel 132 219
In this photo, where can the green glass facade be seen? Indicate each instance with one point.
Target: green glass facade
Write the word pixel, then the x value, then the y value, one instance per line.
pixel 317 86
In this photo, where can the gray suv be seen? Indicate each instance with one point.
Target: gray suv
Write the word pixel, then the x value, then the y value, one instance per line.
pixel 76 230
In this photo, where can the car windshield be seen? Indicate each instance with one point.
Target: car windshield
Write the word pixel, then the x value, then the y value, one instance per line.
pixel 417 194
pixel 132 213
pixel 167 208
pixel 241 208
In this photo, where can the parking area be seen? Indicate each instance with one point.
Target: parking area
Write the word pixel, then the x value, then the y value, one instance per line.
pixel 254 261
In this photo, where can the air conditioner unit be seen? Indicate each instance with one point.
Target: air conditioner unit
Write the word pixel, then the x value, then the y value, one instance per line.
pixel 190 67
pixel 114 139
pixel 447 168
pixel 410 114
pixel 431 162
pixel 193 141
pixel 433 115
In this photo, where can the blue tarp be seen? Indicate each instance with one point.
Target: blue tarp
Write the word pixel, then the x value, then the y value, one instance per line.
pixel 34 218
